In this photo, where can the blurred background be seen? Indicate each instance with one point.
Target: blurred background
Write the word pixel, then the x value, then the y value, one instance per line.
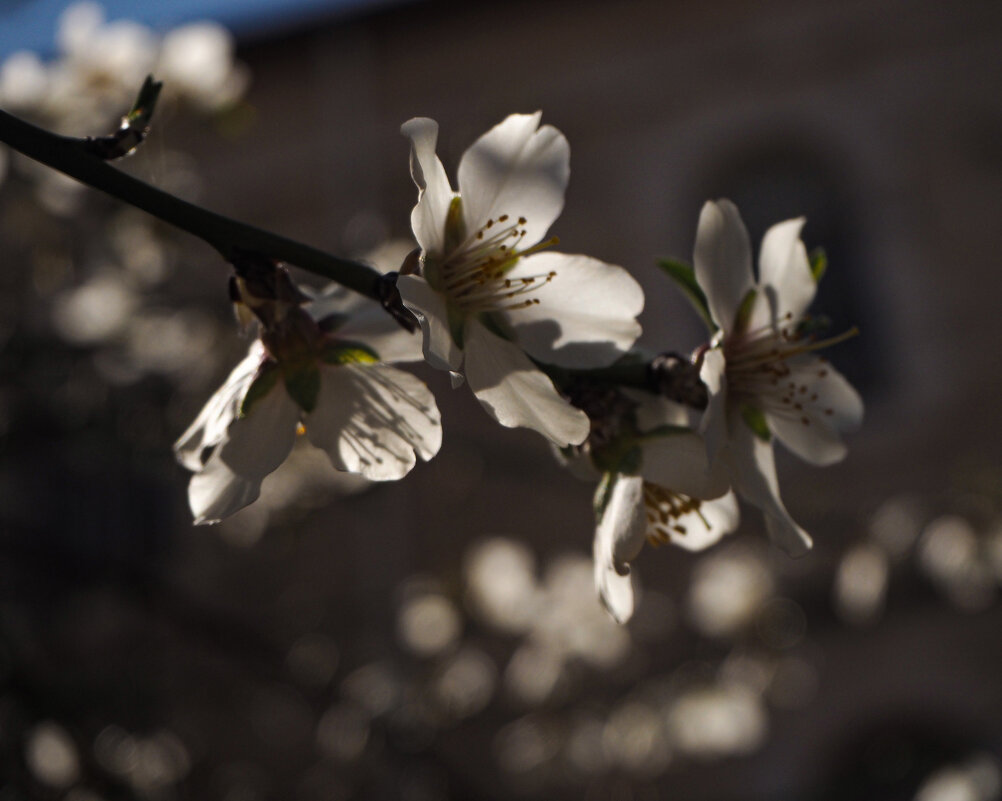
pixel 439 638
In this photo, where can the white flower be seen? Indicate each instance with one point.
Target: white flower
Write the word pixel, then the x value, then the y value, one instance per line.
pixel 370 418
pixel 639 511
pixel 491 298
pixel 674 496
pixel 762 377
pixel 196 61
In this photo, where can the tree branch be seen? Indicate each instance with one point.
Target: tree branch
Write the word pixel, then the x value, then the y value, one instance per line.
pixel 74 158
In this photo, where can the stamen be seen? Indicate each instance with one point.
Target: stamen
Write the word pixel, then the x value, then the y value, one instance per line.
pixel 475 272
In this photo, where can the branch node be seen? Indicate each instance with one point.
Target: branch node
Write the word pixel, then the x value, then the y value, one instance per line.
pixel 389 297
pixel 132 130
pixel 677 378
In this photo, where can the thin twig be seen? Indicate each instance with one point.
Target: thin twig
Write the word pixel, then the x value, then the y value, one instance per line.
pixel 229 237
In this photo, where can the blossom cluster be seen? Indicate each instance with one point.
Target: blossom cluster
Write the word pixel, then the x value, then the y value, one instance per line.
pixel 100 64
pixel 539 336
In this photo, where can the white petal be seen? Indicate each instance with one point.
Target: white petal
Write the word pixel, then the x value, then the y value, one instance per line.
pixel 209 427
pixel 723 260
pixel 713 425
pixel 440 350
pixel 829 405
pixel 705 528
pixel 785 271
pixel 434 192
pixel 815 443
pixel 515 392
pixel 216 492
pixel 258 443
pixel 679 462
pixel 619 537
pixel 586 316
pixel 754 478
pixel 374 420
pixel 833 390
pixel 517 170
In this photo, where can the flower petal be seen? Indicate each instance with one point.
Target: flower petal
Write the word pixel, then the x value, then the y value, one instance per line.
pixel 515 392
pixel 586 315
pixel 713 425
pixel 723 260
pixel 679 462
pixel 440 350
pixel 619 537
pixel 209 427
pixel 815 443
pixel 704 528
pixel 434 192
pixel 518 169
pixel 754 478
pixel 259 442
pixel 828 405
pixel 216 492
pixel 374 420
pixel 784 270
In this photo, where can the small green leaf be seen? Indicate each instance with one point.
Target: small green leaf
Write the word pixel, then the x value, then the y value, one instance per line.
pixel 685 277
pixel 263 383
pixel 819 263
pixel 743 315
pixel 755 420
pixel 303 384
pixel 341 352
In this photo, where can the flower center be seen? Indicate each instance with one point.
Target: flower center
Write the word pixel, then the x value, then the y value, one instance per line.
pixel 763 371
pixel 474 274
pixel 664 508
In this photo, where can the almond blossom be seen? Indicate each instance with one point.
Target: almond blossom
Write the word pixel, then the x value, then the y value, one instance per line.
pixel 323 378
pixel 667 493
pixel 763 377
pixel 492 298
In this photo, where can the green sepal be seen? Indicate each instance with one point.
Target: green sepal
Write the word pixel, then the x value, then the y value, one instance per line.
pixel 302 382
pixel 623 455
pixel 263 383
pixel 342 352
pixel 819 263
pixel 684 277
pixel 744 312
pixel 455 228
pixel 603 494
pixel 755 420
